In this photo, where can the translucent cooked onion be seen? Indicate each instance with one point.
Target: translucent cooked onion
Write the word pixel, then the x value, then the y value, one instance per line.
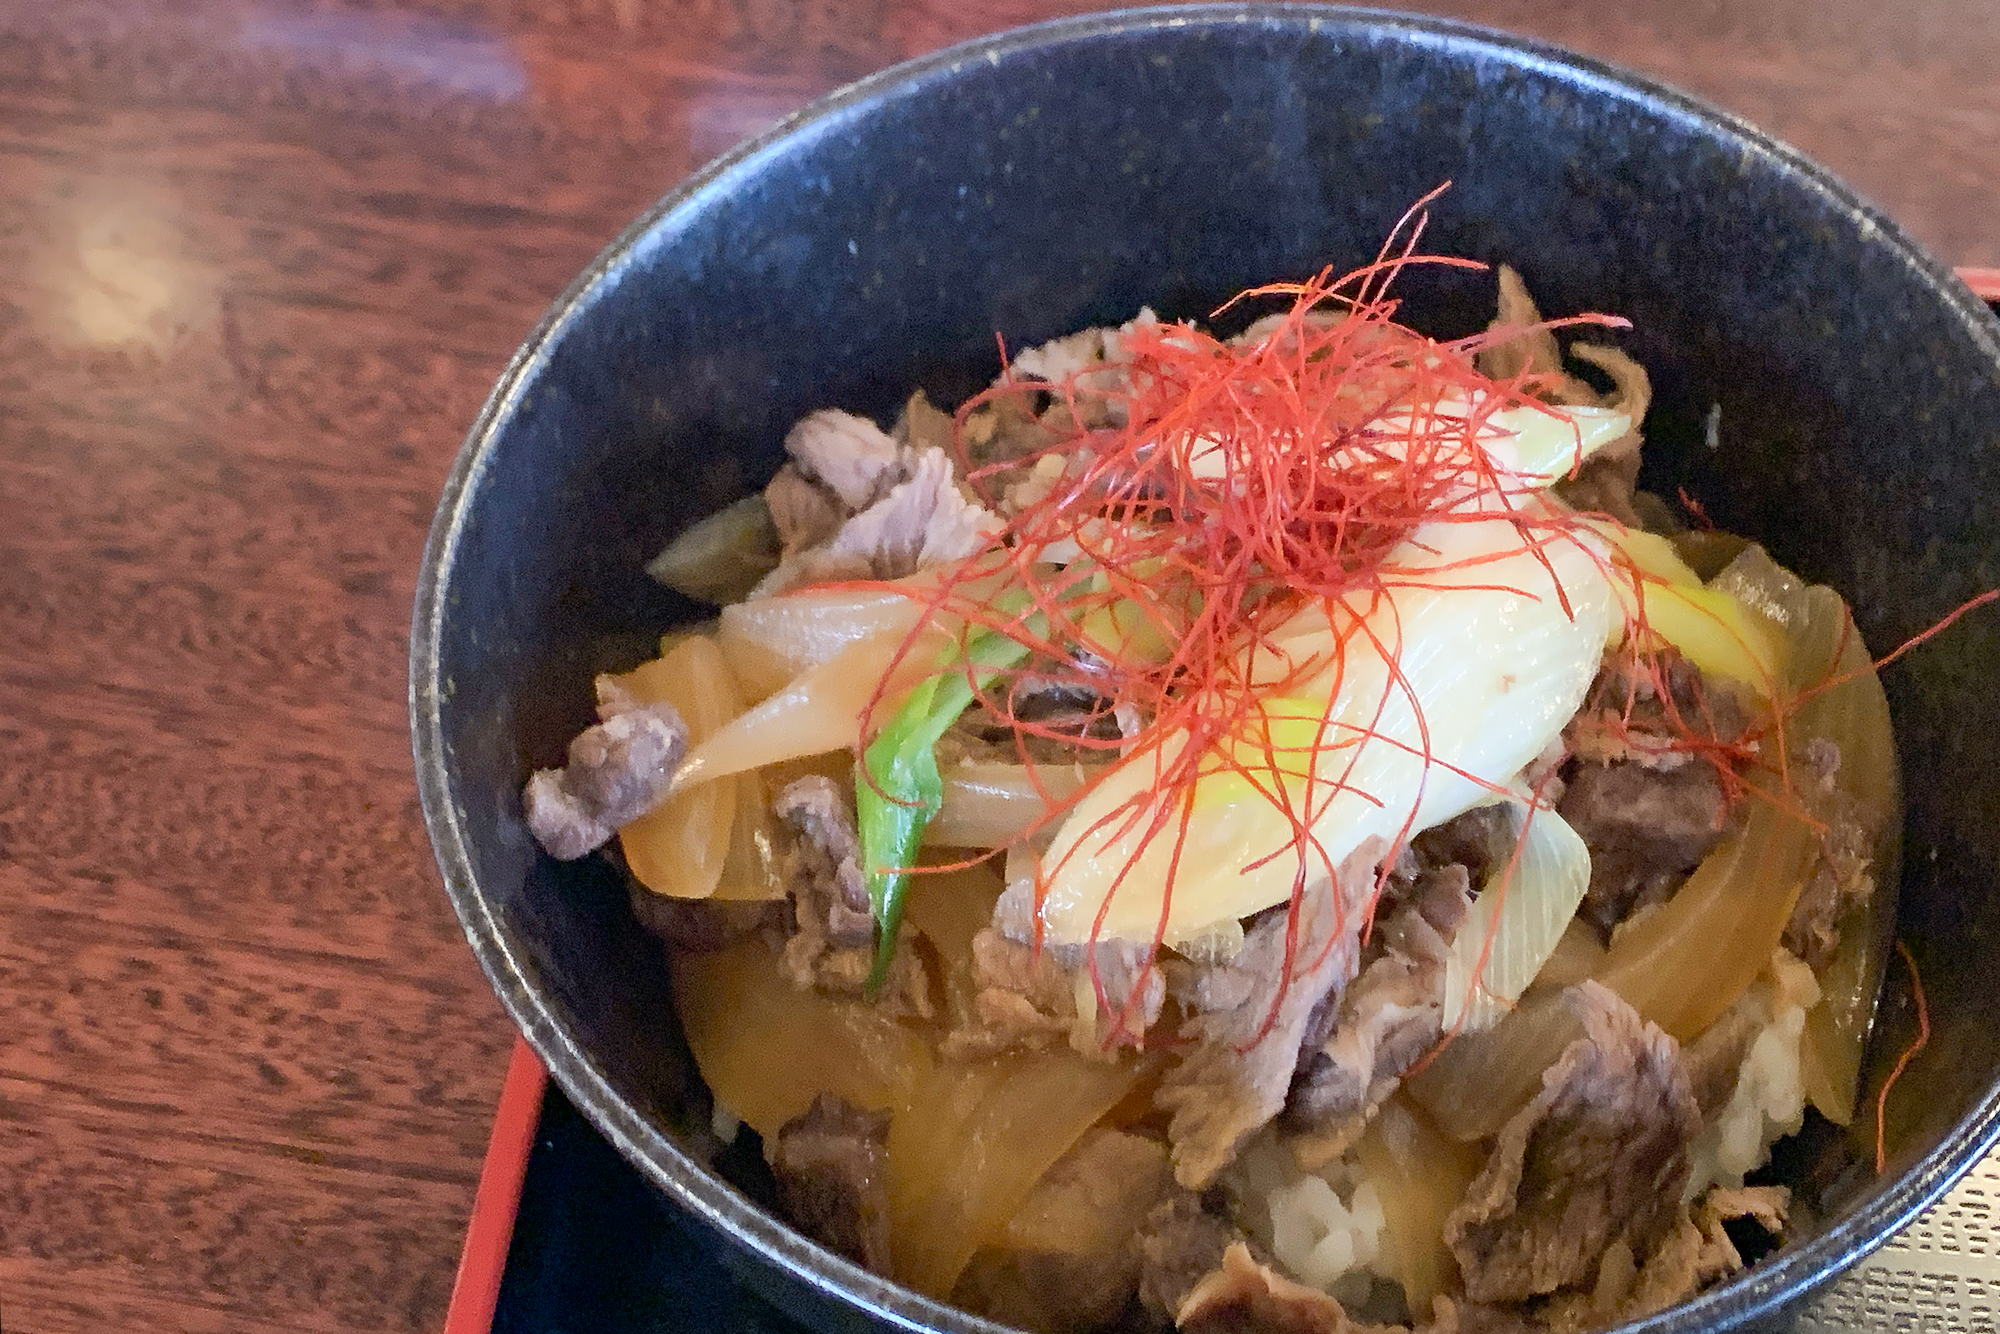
pixel 1854 715
pixel 1514 925
pixel 990 805
pixel 1488 667
pixel 720 558
pixel 1421 1176
pixel 820 711
pixel 771 641
pixel 766 1048
pixel 680 846
pixel 1683 964
pixel 987 1132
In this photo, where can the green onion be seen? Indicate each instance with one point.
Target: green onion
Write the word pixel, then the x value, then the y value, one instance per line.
pixel 897 787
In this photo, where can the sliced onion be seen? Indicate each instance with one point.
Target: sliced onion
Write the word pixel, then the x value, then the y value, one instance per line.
pixel 820 711
pixel 1514 925
pixel 990 805
pixel 1687 961
pixel 766 1048
pixel 771 641
pixel 1422 1176
pixel 721 558
pixel 978 1138
pixel 679 847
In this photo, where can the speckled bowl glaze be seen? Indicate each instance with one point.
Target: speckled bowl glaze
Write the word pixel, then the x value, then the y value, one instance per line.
pixel 1060 176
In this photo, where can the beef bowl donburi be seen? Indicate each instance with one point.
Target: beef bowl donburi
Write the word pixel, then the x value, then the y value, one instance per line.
pixel 1207 771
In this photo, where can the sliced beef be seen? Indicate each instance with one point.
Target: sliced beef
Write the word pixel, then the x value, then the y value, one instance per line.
pixel 855 503
pixel 1391 1015
pixel 1521 345
pixel 1646 829
pixel 1180 1243
pixel 1250 1020
pixel 803 512
pixel 1607 482
pixel 832 939
pixel 1028 998
pixel 1065 1261
pixel 1627 716
pixel 923 520
pixel 853 458
pixel 1041 722
pixel 700 925
pixel 1843 875
pixel 619 768
pixel 1481 840
pixel 1697 1250
pixel 1244 1297
pixel 1600 1156
pixel 832 1167
pixel 1714 1060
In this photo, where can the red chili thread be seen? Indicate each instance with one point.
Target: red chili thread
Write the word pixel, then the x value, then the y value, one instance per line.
pixel 1249 482
pixel 1923 1039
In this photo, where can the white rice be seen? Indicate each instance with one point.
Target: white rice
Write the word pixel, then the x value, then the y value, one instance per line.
pixel 1326 1228
pixel 1770 1098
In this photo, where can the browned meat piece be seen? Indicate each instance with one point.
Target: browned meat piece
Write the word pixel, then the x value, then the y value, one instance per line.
pixel 1244 1297
pixel 1698 1250
pixel 804 513
pixel 1024 1000
pixel 1053 712
pixel 1389 1017
pixel 699 925
pixel 1600 1156
pixel 1179 1245
pixel 922 521
pixel 832 1166
pixel 1027 999
pixel 832 941
pixel 1250 1021
pixel 619 767
pixel 850 456
pixel 1481 840
pixel 825 862
pixel 1844 875
pixel 1442 896
pixel 923 424
pixel 1607 481
pixel 1530 349
pixel 1646 829
pixel 1626 718
pixel 1065 1261
pixel 1714 1060
pixel 1462 1317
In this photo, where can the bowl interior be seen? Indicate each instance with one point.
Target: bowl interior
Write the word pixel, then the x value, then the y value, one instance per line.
pixel 1041 182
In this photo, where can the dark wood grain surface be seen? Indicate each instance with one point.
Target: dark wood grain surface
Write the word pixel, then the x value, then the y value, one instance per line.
pixel 259 262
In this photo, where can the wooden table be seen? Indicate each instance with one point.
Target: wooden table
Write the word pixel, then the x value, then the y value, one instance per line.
pixel 259 262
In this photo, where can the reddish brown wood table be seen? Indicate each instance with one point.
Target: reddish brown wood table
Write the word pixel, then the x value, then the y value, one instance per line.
pixel 259 262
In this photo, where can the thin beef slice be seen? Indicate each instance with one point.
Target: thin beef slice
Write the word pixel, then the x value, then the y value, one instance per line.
pixel 832 1166
pixel 1600 1156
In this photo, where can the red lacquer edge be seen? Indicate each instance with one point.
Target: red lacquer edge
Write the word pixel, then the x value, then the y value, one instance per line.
pixel 1985 283
pixel 476 1291
pixel 491 1233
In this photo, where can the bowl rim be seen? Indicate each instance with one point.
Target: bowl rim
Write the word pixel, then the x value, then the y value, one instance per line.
pixel 1763 1289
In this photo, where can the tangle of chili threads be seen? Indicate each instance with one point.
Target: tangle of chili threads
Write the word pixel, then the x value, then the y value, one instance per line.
pixel 1179 382
pixel 1921 1041
pixel 1332 451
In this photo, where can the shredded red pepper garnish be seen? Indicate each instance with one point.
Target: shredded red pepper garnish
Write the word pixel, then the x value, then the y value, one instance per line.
pixel 1206 491
pixel 1921 1041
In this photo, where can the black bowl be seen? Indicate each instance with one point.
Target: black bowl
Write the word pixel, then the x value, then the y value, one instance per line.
pixel 1060 176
